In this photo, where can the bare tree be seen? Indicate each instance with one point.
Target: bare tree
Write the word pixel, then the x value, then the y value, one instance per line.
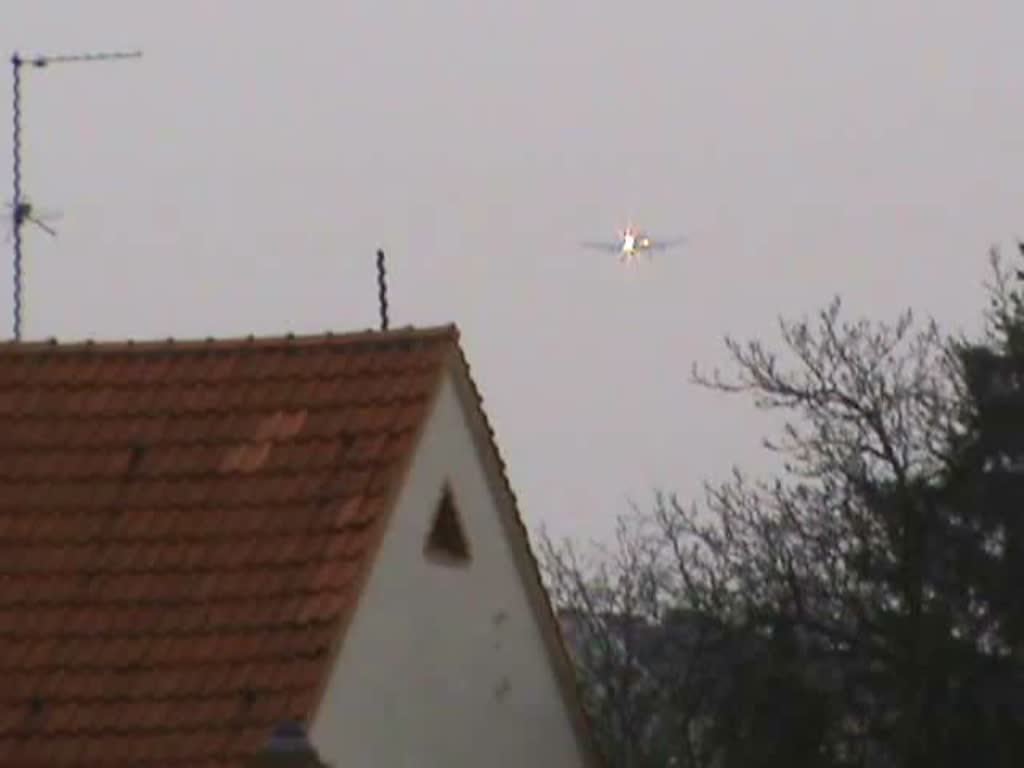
pixel 841 619
pixel 641 660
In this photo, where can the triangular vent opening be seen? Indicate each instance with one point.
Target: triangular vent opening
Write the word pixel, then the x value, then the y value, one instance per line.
pixel 447 539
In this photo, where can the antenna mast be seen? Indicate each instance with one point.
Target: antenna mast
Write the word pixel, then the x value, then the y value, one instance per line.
pixel 21 210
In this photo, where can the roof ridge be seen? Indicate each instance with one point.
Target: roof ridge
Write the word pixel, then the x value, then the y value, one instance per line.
pixel 444 332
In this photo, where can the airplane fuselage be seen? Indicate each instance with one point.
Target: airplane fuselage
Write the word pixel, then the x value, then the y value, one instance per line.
pixel 628 243
pixel 632 244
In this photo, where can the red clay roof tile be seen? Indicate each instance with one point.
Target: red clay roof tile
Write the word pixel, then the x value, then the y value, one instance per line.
pixel 182 528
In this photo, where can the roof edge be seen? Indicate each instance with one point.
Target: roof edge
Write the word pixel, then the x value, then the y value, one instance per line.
pixel 369 337
pixel 529 568
pixel 399 476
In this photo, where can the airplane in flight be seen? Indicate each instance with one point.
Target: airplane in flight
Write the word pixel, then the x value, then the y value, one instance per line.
pixel 632 242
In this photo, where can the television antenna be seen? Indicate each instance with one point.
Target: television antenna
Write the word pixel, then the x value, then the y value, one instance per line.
pixel 20 209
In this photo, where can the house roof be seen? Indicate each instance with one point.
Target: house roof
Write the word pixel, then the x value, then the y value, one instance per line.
pixel 152 603
pixel 153 608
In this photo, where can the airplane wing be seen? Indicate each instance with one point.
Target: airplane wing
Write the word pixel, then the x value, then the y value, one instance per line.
pixel 663 245
pixel 609 247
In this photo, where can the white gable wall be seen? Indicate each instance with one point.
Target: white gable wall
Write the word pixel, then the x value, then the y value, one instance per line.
pixel 444 665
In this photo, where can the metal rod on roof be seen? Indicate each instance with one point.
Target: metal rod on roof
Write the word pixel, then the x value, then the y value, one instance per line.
pixel 382 290
pixel 21 210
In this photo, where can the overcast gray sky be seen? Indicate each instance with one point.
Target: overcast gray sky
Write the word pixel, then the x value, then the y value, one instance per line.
pixel 238 178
